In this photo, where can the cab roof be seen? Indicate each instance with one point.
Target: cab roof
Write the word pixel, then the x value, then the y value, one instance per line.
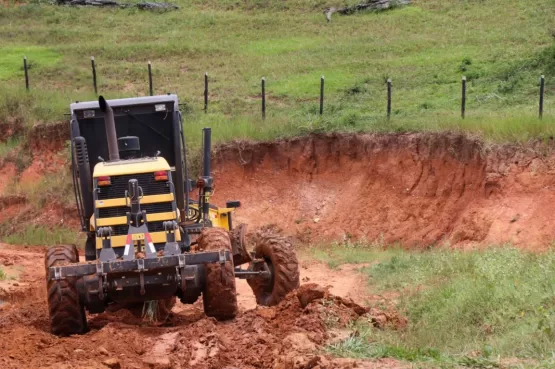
pixel 130 166
pixel 126 102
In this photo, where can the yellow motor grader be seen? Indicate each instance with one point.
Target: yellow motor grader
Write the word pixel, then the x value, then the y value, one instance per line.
pixel 147 239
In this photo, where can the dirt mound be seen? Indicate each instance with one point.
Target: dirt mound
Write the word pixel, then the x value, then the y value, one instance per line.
pixel 417 189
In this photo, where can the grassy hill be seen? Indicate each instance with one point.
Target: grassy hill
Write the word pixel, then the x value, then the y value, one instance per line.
pixel 501 46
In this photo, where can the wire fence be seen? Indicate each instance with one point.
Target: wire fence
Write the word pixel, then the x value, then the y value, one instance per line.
pixel 388 92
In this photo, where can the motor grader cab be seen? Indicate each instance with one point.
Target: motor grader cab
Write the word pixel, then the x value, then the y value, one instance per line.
pixel 147 240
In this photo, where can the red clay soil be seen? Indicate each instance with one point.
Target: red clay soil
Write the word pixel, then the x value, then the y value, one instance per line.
pixel 416 189
pixel 8 174
pixel 46 143
pixel 286 336
pixel 11 127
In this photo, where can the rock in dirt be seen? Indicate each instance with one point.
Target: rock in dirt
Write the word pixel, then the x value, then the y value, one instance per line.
pixel 112 363
pixel 360 310
pixel 299 342
pixel 295 361
pixel 310 292
pixel 103 350
pixel 266 313
pixel 384 319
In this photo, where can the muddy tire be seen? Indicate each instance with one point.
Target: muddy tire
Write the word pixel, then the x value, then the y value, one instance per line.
pixel 239 245
pixel 284 268
pixel 67 315
pixel 219 295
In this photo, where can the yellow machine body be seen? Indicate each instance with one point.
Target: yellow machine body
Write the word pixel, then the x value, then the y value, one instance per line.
pixel 218 216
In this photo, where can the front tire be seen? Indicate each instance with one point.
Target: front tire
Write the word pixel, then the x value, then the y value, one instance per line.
pixel 219 295
pixel 67 315
pixel 279 255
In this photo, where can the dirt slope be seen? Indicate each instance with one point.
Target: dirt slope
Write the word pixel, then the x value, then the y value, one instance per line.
pixel 418 189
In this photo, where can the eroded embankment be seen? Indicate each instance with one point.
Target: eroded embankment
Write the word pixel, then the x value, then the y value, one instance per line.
pixel 416 189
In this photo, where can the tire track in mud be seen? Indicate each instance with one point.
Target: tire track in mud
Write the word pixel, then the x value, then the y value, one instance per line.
pixel 287 336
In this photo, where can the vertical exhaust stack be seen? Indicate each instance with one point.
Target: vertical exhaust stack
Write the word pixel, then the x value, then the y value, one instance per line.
pixel 110 124
pixel 207 178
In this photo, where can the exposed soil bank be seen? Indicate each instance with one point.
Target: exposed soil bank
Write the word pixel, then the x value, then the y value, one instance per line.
pixel 287 336
pixel 417 189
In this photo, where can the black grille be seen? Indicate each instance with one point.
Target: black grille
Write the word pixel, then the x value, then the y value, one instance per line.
pixel 120 211
pixel 120 184
pixel 119 230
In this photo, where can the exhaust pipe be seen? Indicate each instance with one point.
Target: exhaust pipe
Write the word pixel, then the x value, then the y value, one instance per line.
pixel 110 125
pixel 207 145
pixel 206 161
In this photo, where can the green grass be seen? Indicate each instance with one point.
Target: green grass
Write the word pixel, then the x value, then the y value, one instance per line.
pixel 2 275
pixel 41 235
pixel 350 252
pixel 11 62
pixel 472 309
pixel 502 46
pixel 8 146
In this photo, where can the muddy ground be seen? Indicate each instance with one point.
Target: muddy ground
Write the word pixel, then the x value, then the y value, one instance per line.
pixel 414 189
pixel 285 336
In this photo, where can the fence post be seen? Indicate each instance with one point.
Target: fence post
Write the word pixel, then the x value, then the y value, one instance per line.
pixel 26 73
pixel 463 97
pixel 205 92
pixel 542 90
pixel 263 98
pixel 150 88
pixel 322 95
pixel 389 98
pixel 94 75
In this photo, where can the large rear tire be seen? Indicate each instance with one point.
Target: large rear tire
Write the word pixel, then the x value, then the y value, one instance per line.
pixel 282 261
pixel 219 295
pixel 67 315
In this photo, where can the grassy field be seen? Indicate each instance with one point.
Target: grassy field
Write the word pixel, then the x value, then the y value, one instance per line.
pixel 481 309
pixel 42 235
pixel 502 46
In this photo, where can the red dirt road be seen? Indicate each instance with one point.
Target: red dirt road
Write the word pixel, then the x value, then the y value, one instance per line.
pixel 281 337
